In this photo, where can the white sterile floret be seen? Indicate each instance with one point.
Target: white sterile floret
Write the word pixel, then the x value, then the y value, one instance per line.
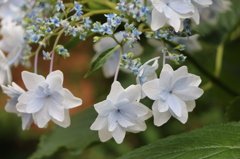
pixel 14 92
pixel 5 72
pixel 110 67
pixel 174 93
pixel 12 38
pixel 147 73
pixel 120 112
pixel 191 43
pixel 170 12
pixel 46 99
pixel 199 4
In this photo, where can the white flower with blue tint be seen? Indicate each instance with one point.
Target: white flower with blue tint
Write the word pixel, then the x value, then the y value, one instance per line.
pixel 14 92
pixel 147 73
pixel 174 93
pixel 46 99
pixel 170 12
pixel 120 112
pixel 5 71
pixel 110 67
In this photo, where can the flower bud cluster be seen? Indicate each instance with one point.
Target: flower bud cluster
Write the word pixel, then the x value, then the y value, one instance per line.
pixel 128 62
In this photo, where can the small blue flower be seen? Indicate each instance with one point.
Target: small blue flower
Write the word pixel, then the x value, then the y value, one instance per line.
pixel 54 21
pixel 59 6
pixel 136 33
pixel 77 7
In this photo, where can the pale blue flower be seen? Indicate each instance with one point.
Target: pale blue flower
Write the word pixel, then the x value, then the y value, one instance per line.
pixel 120 112
pixel 174 94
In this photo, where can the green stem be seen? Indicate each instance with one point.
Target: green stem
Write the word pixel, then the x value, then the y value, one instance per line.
pixel 99 12
pixel 118 67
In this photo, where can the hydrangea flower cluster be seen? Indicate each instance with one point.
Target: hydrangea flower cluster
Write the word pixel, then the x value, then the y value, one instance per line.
pixel 174 92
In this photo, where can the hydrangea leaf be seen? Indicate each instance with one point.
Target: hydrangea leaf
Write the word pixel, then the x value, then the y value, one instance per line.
pixel 233 110
pixel 216 141
pixel 102 58
pixel 74 138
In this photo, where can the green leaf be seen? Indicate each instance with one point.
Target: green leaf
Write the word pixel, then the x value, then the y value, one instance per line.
pixel 102 58
pixel 220 141
pixel 75 138
pixel 233 110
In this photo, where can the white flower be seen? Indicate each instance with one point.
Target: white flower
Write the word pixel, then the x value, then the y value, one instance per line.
pixel 174 94
pixel 14 92
pixel 199 4
pixel 11 10
pixel 211 14
pixel 5 72
pixel 12 38
pixel 147 73
pixel 46 99
pixel 170 12
pixel 109 68
pixel 120 112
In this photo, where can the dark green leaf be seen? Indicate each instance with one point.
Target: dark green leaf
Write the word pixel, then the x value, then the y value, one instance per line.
pixel 233 110
pixel 220 141
pixel 102 58
pixel 75 138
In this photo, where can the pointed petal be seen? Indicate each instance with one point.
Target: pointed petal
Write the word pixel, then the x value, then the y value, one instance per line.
pixel 158 20
pixel 167 68
pixel 70 101
pixel 182 7
pixel 165 82
pixel 35 105
pixel 135 109
pixel 66 122
pixel 190 105
pixel 183 118
pixel 162 105
pixel 189 93
pixel 31 80
pixel 56 73
pixel 104 134
pixel 105 107
pixel 119 134
pixel 159 118
pixel 152 89
pixel 112 121
pixel 27 121
pixel 21 107
pixel 175 104
pixel 42 117
pixel 132 93
pixel 99 123
pixel 116 90
pixel 26 97
pixel 56 111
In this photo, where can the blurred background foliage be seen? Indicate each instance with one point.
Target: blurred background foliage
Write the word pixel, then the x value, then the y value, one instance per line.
pixel 217 63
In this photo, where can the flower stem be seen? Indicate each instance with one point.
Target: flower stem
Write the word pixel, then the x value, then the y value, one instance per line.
pixel 118 67
pixel 164 54
pixel 51 63
pixel 36 58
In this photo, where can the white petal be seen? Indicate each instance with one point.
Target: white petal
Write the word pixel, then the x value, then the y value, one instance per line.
pixel 179 73
pixel 56 73
pixel 196 16
pixel 167 68
pixel 139 126
pixel 21 107
pixel 66 122
pixel 165 84
pixel 158 20
pixel 26 97
pixel 189 93
pixel 110 67
pixel 112 121
pixel 124 120
pixel 54 83
pixel 31 80
pixel 175 104
pixel 104 134
pixel 35 105
pixel 196 80
pixel 159 5
pixel 132 93
pixel 160 118
pixel 116 90
pixel 99 123
pixel 190 105
pixel 184 116
pixel 70 101
pixel 27 121
pixel 56 111
pixel 42 117
pixel 105 107
pixel 11 108
pixel 119 134
pixel 152 89
pixel 135 109
pixel 182 7
pixel 162 105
